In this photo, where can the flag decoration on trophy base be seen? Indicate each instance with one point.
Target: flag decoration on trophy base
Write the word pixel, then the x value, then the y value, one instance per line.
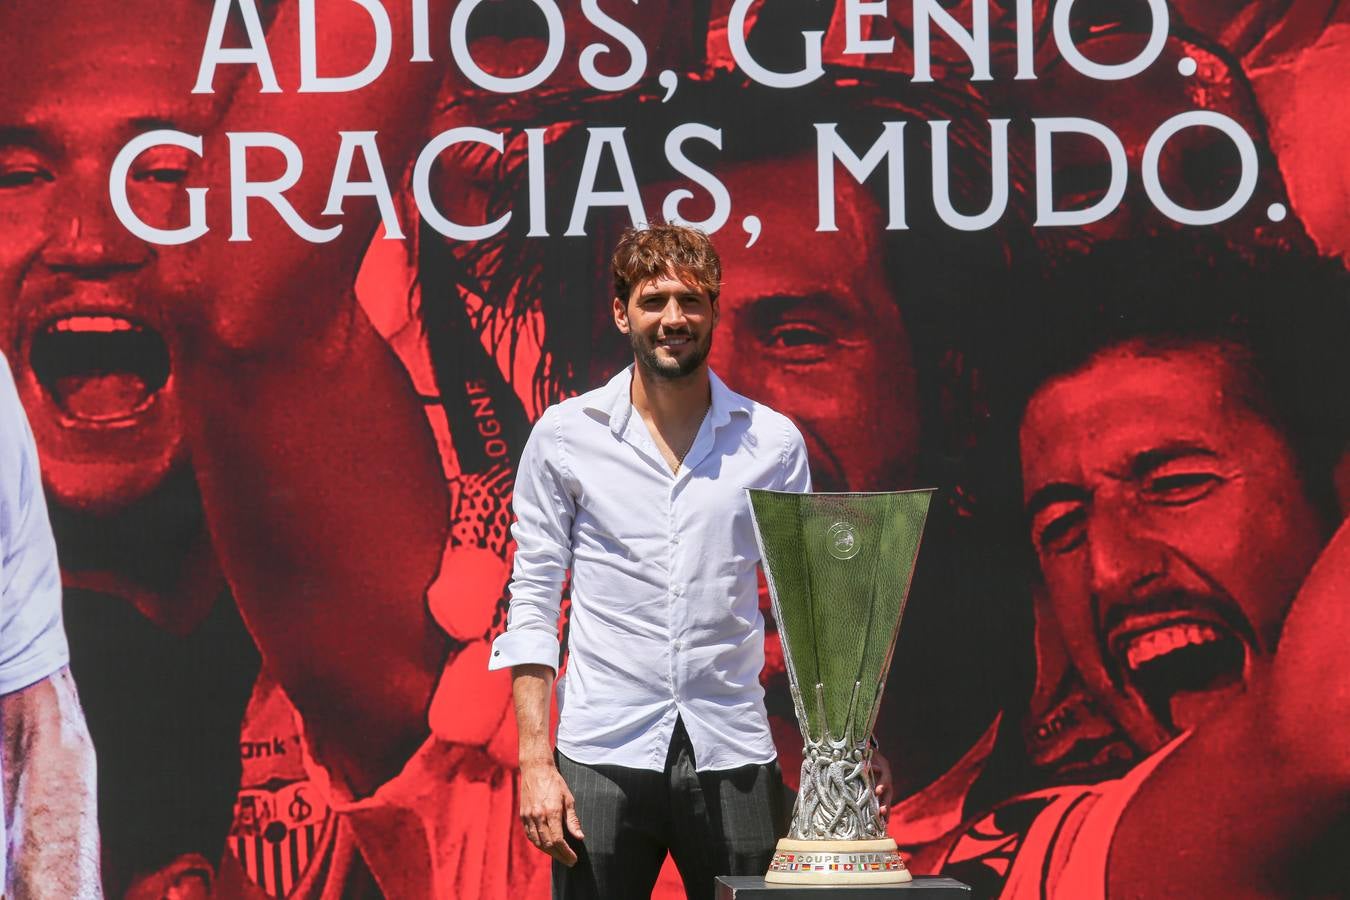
pixel 839 569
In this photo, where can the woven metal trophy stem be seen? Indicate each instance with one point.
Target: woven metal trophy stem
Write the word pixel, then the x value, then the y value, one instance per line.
pixel 838 568
pixel 836 800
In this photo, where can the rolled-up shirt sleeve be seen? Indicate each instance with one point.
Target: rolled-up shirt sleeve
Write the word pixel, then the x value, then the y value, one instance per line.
pixel 32 639
pixel 544 508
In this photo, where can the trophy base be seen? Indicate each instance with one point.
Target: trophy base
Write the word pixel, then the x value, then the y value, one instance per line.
pixel 837 862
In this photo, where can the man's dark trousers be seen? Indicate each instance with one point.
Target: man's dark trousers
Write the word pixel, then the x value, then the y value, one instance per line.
pixel 712 823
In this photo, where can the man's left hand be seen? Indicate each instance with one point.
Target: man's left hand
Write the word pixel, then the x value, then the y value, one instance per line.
pixel 885 785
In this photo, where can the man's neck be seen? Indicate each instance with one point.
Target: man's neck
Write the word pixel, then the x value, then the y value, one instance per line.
pixel 671 401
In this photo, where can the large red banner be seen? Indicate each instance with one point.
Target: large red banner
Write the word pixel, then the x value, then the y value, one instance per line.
pixel 285 284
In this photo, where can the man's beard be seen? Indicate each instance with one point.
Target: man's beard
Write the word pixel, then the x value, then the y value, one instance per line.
pixel 1185 665
pixel 645 352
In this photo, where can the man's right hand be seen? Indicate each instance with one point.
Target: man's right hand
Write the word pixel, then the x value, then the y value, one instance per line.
pixel 546 808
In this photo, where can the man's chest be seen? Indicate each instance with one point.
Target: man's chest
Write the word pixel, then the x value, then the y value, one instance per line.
pixel 629 502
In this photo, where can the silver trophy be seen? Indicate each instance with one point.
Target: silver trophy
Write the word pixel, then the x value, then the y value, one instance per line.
pixel 839 568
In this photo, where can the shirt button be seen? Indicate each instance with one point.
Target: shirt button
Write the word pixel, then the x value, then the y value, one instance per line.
pixel 679 645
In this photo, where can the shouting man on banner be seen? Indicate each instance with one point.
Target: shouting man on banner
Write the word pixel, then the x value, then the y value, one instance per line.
pixel 638 487
pixel 1182 443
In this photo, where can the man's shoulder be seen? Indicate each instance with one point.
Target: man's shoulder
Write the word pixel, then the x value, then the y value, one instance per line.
pixel 771 423
pixel 18 453
pixel 1052 842
pixel 1030 833
pixel 763 418
pixel 570 426
pixel 592 405
pixel 10 405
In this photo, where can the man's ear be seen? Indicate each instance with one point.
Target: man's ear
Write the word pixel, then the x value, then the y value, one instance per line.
pixel 621 315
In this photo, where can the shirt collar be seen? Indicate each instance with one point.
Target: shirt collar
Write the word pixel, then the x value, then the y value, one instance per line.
pixel 615 401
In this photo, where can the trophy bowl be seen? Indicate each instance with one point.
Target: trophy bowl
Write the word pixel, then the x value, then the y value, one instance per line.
pixel 839 568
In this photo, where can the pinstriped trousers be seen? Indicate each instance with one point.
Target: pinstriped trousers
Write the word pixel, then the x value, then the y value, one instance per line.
pixel 712 823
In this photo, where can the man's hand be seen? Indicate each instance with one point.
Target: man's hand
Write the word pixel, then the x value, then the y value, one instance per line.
pixel 238 299
pixel 546 807
pixel 885 784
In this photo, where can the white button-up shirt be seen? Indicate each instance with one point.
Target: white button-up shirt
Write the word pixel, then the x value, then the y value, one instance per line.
pixel 32 637
pixel 665 617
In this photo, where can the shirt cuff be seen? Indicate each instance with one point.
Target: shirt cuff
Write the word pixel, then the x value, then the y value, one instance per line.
pixel 517 648
pixel 36 664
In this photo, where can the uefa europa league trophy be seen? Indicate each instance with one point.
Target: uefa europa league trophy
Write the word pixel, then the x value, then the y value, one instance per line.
pixel 838 567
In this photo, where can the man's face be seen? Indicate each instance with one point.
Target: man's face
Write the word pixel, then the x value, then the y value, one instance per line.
pixel 669 323
pixel 812 328
pixel 1171 526
pixel 87 350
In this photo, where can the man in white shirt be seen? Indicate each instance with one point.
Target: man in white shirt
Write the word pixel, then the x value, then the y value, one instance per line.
pixel 639 488
pixel 46 757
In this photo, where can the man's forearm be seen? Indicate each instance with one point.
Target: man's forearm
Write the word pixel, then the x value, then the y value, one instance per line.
pixel 319 473
pixel 50 792
pixel 532 690
pixel 330 535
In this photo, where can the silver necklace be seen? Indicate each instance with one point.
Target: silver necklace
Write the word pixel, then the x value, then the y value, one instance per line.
pixel 679 457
